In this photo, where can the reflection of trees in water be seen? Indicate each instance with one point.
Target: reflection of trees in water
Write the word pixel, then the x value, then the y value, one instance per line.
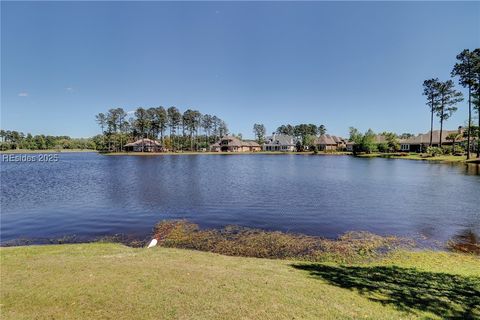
pixel 466 241
pixel 472 169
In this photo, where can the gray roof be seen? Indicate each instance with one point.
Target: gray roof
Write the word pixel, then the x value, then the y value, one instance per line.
pixel 279 139
pixel 380 138
pixel 143 142
pixel 236 142
pixel 424 138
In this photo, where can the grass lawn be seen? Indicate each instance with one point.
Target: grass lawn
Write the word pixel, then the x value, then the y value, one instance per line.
pixel 112 281
pixel 415 156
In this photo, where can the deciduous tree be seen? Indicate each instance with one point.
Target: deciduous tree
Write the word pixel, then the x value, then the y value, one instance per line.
pixel 259 131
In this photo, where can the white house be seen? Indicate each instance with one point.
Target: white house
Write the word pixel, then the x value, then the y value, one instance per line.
pixel 279 142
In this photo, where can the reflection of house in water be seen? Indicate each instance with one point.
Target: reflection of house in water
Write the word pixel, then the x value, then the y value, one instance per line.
pixel 234 144
pixel 143 145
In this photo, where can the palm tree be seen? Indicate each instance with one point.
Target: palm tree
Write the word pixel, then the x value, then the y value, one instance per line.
pixel 454 137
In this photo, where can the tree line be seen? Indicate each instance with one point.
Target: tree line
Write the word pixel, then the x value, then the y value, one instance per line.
pixel 367 142
pixel 11 140
pixel 305 134
pixel 190 130
pixel 442 97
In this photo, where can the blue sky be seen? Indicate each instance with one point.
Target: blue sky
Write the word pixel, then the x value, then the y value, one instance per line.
pixel 340 64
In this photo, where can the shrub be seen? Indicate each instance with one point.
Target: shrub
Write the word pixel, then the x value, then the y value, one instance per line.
pixel 434 151
pixel 447 149
pixel 383 147
pixel 459 151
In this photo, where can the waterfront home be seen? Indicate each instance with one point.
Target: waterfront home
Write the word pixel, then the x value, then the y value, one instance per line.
pixel 143 145
pixel 279 142
pixel 349 146
pixel 421 142
pixel 234 144
pixel 328 142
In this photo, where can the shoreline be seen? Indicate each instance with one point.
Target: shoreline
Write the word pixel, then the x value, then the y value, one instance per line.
pixel 190 153
pixel 408 156
pixel 235 239
pixel 419 157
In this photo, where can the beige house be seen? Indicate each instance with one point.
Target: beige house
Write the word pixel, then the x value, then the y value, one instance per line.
pixel 328 142
pixel 349 146
pixel 143 145
pixel 234 144
pixel 421 142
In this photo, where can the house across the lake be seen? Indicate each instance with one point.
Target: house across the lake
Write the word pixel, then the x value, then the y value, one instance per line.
pixel 421 142
pixel 279 142
pixel 328 142
pixel 143 145
pixel 234 144
pixel 349 146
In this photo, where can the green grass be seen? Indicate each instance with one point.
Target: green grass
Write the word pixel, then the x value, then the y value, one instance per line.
pixel 112 281
pixel 46 151
pixel 415 156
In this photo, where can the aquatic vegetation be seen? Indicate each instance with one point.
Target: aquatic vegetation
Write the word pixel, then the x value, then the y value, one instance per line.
pixel 240 241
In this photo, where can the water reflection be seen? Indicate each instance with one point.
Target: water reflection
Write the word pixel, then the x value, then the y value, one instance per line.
pixel 472 169
pixel 91 195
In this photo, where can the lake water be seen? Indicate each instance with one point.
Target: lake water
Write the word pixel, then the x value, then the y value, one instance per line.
pixel 90 195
